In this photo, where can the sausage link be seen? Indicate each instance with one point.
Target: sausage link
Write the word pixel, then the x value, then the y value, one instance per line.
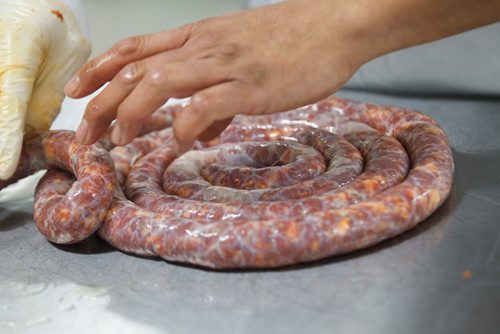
pixel 270 191
pixel 386 199
pixel 66 211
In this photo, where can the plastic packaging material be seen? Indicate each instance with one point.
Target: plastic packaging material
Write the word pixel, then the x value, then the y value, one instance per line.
pixel 272 190
pixel 42 44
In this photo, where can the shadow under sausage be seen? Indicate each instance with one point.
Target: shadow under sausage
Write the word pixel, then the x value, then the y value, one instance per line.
pixel 467 176
pixel 95 245
pixel 423 227
pixel 91 245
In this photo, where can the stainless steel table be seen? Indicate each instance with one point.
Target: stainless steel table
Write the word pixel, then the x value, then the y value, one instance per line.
pixel 442 277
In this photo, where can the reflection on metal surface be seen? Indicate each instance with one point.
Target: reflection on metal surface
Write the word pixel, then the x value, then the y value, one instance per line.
pixel 26 306
pixel 441 277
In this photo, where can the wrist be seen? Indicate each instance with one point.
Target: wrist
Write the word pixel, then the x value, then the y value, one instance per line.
pixel 369 29
pixel 353 28
pixel 381 27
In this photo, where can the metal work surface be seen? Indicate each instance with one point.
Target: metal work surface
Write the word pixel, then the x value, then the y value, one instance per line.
pixel 442 277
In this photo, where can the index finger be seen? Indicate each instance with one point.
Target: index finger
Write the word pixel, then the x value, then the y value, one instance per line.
pixel 102 69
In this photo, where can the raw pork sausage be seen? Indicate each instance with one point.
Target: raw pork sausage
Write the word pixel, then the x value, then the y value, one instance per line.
pixel 67 211
pixel 272 190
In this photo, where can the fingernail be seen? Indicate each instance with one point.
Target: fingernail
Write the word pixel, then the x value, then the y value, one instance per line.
pixel 72 86
pixel 117 135
pixel 82 131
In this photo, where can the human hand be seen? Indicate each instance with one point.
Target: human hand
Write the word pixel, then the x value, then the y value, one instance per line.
pixel 252 62
pixel 41 46
pixel 258 61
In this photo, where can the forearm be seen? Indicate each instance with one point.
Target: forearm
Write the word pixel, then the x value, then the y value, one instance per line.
pixel 384 26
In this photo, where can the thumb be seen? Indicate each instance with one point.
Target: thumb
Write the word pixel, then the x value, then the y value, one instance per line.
pixel 44 106
pixel 18 67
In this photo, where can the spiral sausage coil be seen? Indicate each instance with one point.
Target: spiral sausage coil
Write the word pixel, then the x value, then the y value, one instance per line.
pixel 270 191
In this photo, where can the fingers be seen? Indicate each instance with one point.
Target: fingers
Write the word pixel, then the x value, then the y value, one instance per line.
pixel 138 90
pixel 212 106
pixel 101 110
pixel 103 68
pixel 215 129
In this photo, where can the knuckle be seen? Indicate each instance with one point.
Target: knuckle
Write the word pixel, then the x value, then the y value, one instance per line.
pixel 93 111
pixel 129 46
pixel 227 52
pixel 181 35
pixel 215 48
pixel 210 38
pixel 130 74
pixel 201 103
pixel 165 78
pixel 203 22
pixel 230 50
pixel 156 78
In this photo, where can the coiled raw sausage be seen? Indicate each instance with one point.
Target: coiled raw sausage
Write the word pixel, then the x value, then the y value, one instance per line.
pixel 272 190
